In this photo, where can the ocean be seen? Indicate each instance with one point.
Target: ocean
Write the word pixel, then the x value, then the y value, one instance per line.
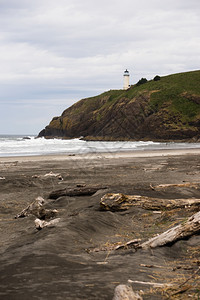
pixel 19 145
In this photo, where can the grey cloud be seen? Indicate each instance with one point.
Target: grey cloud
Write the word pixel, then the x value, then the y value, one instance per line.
pixel 73 49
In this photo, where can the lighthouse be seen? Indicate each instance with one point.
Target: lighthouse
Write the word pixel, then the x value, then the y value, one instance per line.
pixel 126 80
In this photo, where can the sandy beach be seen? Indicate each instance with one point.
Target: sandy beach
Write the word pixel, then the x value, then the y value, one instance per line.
pixel 124 154
pixel 76 258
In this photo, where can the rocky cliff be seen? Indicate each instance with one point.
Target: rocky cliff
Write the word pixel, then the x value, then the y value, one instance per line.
pixel 165 109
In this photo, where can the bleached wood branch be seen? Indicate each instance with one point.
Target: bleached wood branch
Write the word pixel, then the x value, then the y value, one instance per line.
pixel 185 184
pixel 41 224
pixel 49 175
pixel 181 231
pixel 154 284
pixel 36 208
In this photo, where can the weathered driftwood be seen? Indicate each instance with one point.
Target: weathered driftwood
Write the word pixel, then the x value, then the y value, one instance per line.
pixel 185 184
pixel 36 208
pixel 49 175
pixel 125 292
pixel 154 284
pixel 181 231
pixel 77 191
pixel 39 224
pixel 128 245
pixel 117 202
pixel 36 205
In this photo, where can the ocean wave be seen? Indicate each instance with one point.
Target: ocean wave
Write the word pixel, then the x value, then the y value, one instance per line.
pixel 29 145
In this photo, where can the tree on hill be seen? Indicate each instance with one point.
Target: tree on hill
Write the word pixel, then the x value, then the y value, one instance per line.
pixel 156 78
pixel 141 81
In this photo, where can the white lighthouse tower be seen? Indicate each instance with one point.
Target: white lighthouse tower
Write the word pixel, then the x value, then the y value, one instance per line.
pixel 126 80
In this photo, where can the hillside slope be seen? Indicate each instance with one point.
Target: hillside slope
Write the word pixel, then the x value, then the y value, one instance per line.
pixel 167 109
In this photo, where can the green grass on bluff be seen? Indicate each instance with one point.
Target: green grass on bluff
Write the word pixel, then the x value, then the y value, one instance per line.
pixel 173 91
pixel 169 108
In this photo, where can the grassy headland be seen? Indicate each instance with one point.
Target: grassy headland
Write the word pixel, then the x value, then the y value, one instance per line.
pixel 165 109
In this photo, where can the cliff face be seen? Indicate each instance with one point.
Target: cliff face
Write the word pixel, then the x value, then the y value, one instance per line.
pixel 168 109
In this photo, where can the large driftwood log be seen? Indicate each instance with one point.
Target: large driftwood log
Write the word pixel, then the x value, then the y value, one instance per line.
pixel 181 185
pixel 190 227
pixel 117 202
pixel 77 191
pixel 181 231
pixel 36 208
pixel 125 292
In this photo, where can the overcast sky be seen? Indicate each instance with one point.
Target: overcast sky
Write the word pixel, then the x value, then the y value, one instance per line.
pixel 53 53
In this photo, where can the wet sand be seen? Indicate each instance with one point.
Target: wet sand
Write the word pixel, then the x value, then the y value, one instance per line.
pixel 59 262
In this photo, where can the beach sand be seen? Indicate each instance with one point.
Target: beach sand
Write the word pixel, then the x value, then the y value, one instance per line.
pixel 61 262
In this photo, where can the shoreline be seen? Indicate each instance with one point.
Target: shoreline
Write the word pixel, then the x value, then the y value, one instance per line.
pixel 104 155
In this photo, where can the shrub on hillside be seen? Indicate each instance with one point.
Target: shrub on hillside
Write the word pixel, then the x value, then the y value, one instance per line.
pixel 156 78
pixel 141 81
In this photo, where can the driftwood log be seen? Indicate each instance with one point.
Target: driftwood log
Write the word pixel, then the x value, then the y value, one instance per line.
pixel 39 224
pixel 117 202
pixel 128 245
pixel 125 292
pixel 153 284
pixel 77 191
pixel 181 185
pixel 184 230
pixel 36 208
pixel 181 231
pixel 49 175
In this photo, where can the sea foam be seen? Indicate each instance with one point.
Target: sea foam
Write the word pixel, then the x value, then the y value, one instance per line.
pixel 16 145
